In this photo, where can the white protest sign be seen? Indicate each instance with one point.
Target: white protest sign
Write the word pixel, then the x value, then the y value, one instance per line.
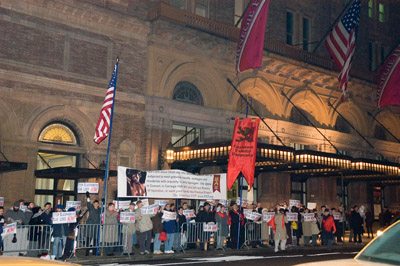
pixel 1 201
pixel 210 227
pixel 145 202
pixel 121 204
pixel 292 216
pixel 151 209
pixel 253 216
pixel 9 229
pixel 64 217
pixel 171 184
pixel 309 217
pixel 127 217
pixel 169 215
pixel 73 204
pixel 161 203
pixel 245 202
pixel 268 216
pixel 92 188
pixel 311 205
pixel 295 203
pixel 337 216
pixel 189 214
pixel 224 202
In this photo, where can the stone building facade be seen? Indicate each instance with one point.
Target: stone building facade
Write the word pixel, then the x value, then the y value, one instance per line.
pixel 175 57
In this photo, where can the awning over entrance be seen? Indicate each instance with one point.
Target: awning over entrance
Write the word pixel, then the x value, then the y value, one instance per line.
pixel 301 164
pixel 6 166
pixel 72 173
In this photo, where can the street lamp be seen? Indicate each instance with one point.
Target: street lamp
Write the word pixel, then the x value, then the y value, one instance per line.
pixel 169 153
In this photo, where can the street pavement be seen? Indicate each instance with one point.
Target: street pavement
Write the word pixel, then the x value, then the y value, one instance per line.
pixel 257 256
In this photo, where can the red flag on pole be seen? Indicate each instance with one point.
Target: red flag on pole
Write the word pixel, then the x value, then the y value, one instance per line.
pixel 389 80
pixel 242 156
pixel 249 53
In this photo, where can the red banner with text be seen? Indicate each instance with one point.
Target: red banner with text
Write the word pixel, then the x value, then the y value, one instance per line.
pixel 242 156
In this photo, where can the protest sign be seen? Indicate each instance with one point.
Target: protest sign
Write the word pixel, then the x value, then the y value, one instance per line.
pixel 9 229
pixel 253 216
pixel 121 204
pixel 145 202
pixel 311 205
pixel 92 188
pixel 210 227
pixel 224 202
pixel 295 203
pixel 127 217
pixel 169 215
pixel 337 216
pixel 161 203
pixel 1 201
pixel 170 184
pixel 292 216
pixel 64 217
pixel 245 202
pixel 73 204
pixel 189 214
pixel 309 217
pixel 268 216
pixel 151 209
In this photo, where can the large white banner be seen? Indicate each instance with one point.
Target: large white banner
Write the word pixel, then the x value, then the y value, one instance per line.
pixel 92 188
pixel 170 184
pixel 64 217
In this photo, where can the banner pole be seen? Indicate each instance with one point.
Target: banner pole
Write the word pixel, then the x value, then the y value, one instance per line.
pixel 107 170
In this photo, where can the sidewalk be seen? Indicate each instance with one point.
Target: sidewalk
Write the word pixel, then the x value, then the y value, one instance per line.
pixel 93 260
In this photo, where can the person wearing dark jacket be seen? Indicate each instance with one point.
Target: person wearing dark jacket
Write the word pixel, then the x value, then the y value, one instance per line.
pixel 157 229
pixel 181 228
pixel 356 222
pixel 2 222
pixel 60 236
pixel 170 229
pixel 205 216
pixel 92 223
pixel 236 221
pixel 369 220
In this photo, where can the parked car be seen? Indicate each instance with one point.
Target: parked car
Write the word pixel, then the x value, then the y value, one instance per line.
pixel 26 261
pixel 382 250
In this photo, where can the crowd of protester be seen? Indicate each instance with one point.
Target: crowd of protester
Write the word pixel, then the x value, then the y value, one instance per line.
pixel 150 232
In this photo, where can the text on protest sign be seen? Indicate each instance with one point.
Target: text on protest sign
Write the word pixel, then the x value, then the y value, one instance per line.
pixel 292 216
pixel 189 214
pixel 311 205
pixel 93 188
pixel 210 227
pixel 268 216
pixel 1 201
pixel 245 202
pixel 309 217
pixel 169 215
pixel 337 216
pixel 64 217
pixel 9 229
pixel 151 209
pixel 171 184
pixel 121 204
pixel 73 204
pixel 145 202
pixel 161 203
pixel 253 216
pixel 295 203
pixel 127 217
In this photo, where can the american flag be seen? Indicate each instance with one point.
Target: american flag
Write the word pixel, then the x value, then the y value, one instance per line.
pixel 103 124
pixel 341 43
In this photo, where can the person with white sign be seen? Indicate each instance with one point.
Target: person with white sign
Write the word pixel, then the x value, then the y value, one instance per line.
pixel 205 216
pixel 169 228
pixel 280 234
pixel 144 227
pixel 92 221
pixel 60 235
pixel 310 228
pixel 111 229
pixel 130 229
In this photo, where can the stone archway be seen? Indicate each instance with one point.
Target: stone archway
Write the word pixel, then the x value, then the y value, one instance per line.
pixel 356 116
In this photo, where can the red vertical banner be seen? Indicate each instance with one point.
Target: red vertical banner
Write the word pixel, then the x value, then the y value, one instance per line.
pixel 242 156
pixel 389 80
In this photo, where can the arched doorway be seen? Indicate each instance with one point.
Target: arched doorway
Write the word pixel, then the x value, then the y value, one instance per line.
pixel 56 140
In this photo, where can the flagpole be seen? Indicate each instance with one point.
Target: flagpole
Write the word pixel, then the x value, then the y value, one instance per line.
pixel 331 27
pixel 107 170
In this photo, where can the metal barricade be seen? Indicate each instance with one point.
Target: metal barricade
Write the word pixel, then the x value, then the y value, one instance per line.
pixel 90 236
pixel 256 233
pixel 193 233
pixel 29 239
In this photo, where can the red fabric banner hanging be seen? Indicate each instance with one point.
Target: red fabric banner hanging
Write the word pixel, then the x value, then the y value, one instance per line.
pixel 242 156
pixel 389 81
pixel 250 48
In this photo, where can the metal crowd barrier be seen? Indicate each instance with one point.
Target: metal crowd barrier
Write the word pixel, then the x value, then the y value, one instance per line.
pixel 193 233
pixel 29 240
pixel 255 232
pixel 90 236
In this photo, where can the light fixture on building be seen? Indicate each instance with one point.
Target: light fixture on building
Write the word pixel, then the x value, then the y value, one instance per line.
pixel 169 153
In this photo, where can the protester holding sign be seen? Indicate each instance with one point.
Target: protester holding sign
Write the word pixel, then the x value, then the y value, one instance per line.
pixel 309 220
pixel 111 229
pixel 94 220
pixel 237 224
pixel 60 235
pixel 130 229
pixel 169 227
pixel 221 217
pixel 157 230
pixel 144 227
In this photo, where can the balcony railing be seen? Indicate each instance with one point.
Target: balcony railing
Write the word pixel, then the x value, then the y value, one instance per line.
pixel 230 32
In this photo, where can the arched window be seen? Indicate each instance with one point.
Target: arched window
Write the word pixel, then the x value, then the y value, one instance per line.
pixel 380 133
pixel 52 189
pixel 58 133
pixel 297 118
pixel 187 92
pixel 342 126
pixel 260 108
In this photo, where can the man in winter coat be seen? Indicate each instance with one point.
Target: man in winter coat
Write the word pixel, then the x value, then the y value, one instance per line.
pixel 170 229
pixel 356 222
pixel 92 223
pixel 60 236
pixel 221 217
pixel 279 227
pixel 328 228
pixel 144 228
pixel 130 229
